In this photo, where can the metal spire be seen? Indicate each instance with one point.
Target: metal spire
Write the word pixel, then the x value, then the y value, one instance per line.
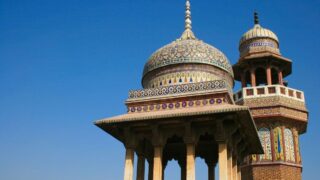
pixel 188 34
pixel 256 18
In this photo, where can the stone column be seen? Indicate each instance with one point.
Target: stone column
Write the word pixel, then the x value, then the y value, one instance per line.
pixel 191 171
pixel 128 168
pixel 150 171
pixel 253 78
pixel 243 80
pixel 238 172
pixel 280 77
pixel 163 168
pixel 183 173
pixel 269 77
pixel 140 167
pixel 234 168
pixel 210 171
pixel 223 161
pixel 230 176
pixel 182 165
pixel 157 163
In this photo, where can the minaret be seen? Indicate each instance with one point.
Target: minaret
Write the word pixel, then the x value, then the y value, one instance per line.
pixel 279 112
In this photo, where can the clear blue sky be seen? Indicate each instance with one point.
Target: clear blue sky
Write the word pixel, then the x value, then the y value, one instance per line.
pixel 66 63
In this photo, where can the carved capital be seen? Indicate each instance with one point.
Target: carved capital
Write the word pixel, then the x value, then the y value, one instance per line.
pixel 219 131
pixel 129 138
pixel 157 137
pixel 189 137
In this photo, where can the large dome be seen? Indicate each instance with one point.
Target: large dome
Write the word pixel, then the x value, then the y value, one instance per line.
pixel 186 60
pixel 187 51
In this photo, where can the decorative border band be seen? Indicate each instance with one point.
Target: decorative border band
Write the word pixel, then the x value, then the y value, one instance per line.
pixel 178 89
pixel 175 105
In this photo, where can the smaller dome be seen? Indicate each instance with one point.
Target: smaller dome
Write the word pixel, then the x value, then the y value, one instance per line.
pixel 258 40
pixel 258 32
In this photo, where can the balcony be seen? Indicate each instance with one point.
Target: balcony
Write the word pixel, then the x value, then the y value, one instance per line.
pixel 267 91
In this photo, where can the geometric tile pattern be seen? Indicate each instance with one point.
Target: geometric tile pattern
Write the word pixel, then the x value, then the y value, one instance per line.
pixel 178 89
pixel 289 145
pixel 264 135
pixel 178 104
pixel 188 51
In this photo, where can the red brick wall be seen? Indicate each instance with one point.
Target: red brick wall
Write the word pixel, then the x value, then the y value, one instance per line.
pixel 271 172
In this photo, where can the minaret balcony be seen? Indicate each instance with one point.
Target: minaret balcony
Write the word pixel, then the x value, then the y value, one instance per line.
pixel 275 103
pixel 268 91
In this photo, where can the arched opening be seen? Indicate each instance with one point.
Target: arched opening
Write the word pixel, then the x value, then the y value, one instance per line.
pixel 289 145
pixel 144 157
pixel 274 76
pixel 265 139
pixel 174 155
pixel 207 151
pixel 201 169
pixel 261 76
pixel 147 169
pixel 248 78
pixel 172 170
pixel 278 145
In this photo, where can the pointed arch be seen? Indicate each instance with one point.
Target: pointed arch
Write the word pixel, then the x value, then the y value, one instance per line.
pixel 289 145
pixel 278 145
pixel 265 139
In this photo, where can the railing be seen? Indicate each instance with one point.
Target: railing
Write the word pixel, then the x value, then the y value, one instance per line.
pixel 265 91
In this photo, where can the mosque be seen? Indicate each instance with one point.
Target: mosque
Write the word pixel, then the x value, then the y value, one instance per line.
pixel 187 109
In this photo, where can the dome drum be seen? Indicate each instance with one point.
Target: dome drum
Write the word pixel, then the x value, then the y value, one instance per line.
pixel 183 74
pixel 258 45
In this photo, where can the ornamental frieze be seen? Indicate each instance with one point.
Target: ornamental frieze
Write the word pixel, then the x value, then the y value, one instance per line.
pixel 177 104
pixel 178 89
pixel 279 111
pixel 274 101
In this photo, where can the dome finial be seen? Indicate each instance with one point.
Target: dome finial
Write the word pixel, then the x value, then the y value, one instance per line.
pixel 256 18
pixel 188 34
pixel 188 16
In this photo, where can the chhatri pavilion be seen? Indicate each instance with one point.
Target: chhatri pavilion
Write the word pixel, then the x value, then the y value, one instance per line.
pixel 187 109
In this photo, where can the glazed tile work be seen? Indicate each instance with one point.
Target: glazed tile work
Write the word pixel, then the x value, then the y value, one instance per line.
pixel 264 135
pixel 184 51
pixel 289 145
pixel 177 104
pixel 178 89
pixel 186 73
pixel 279 145
pixel 181 78
pixel 259 45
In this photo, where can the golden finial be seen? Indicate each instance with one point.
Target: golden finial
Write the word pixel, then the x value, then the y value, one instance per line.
pixel 188 34
pixel 188 16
